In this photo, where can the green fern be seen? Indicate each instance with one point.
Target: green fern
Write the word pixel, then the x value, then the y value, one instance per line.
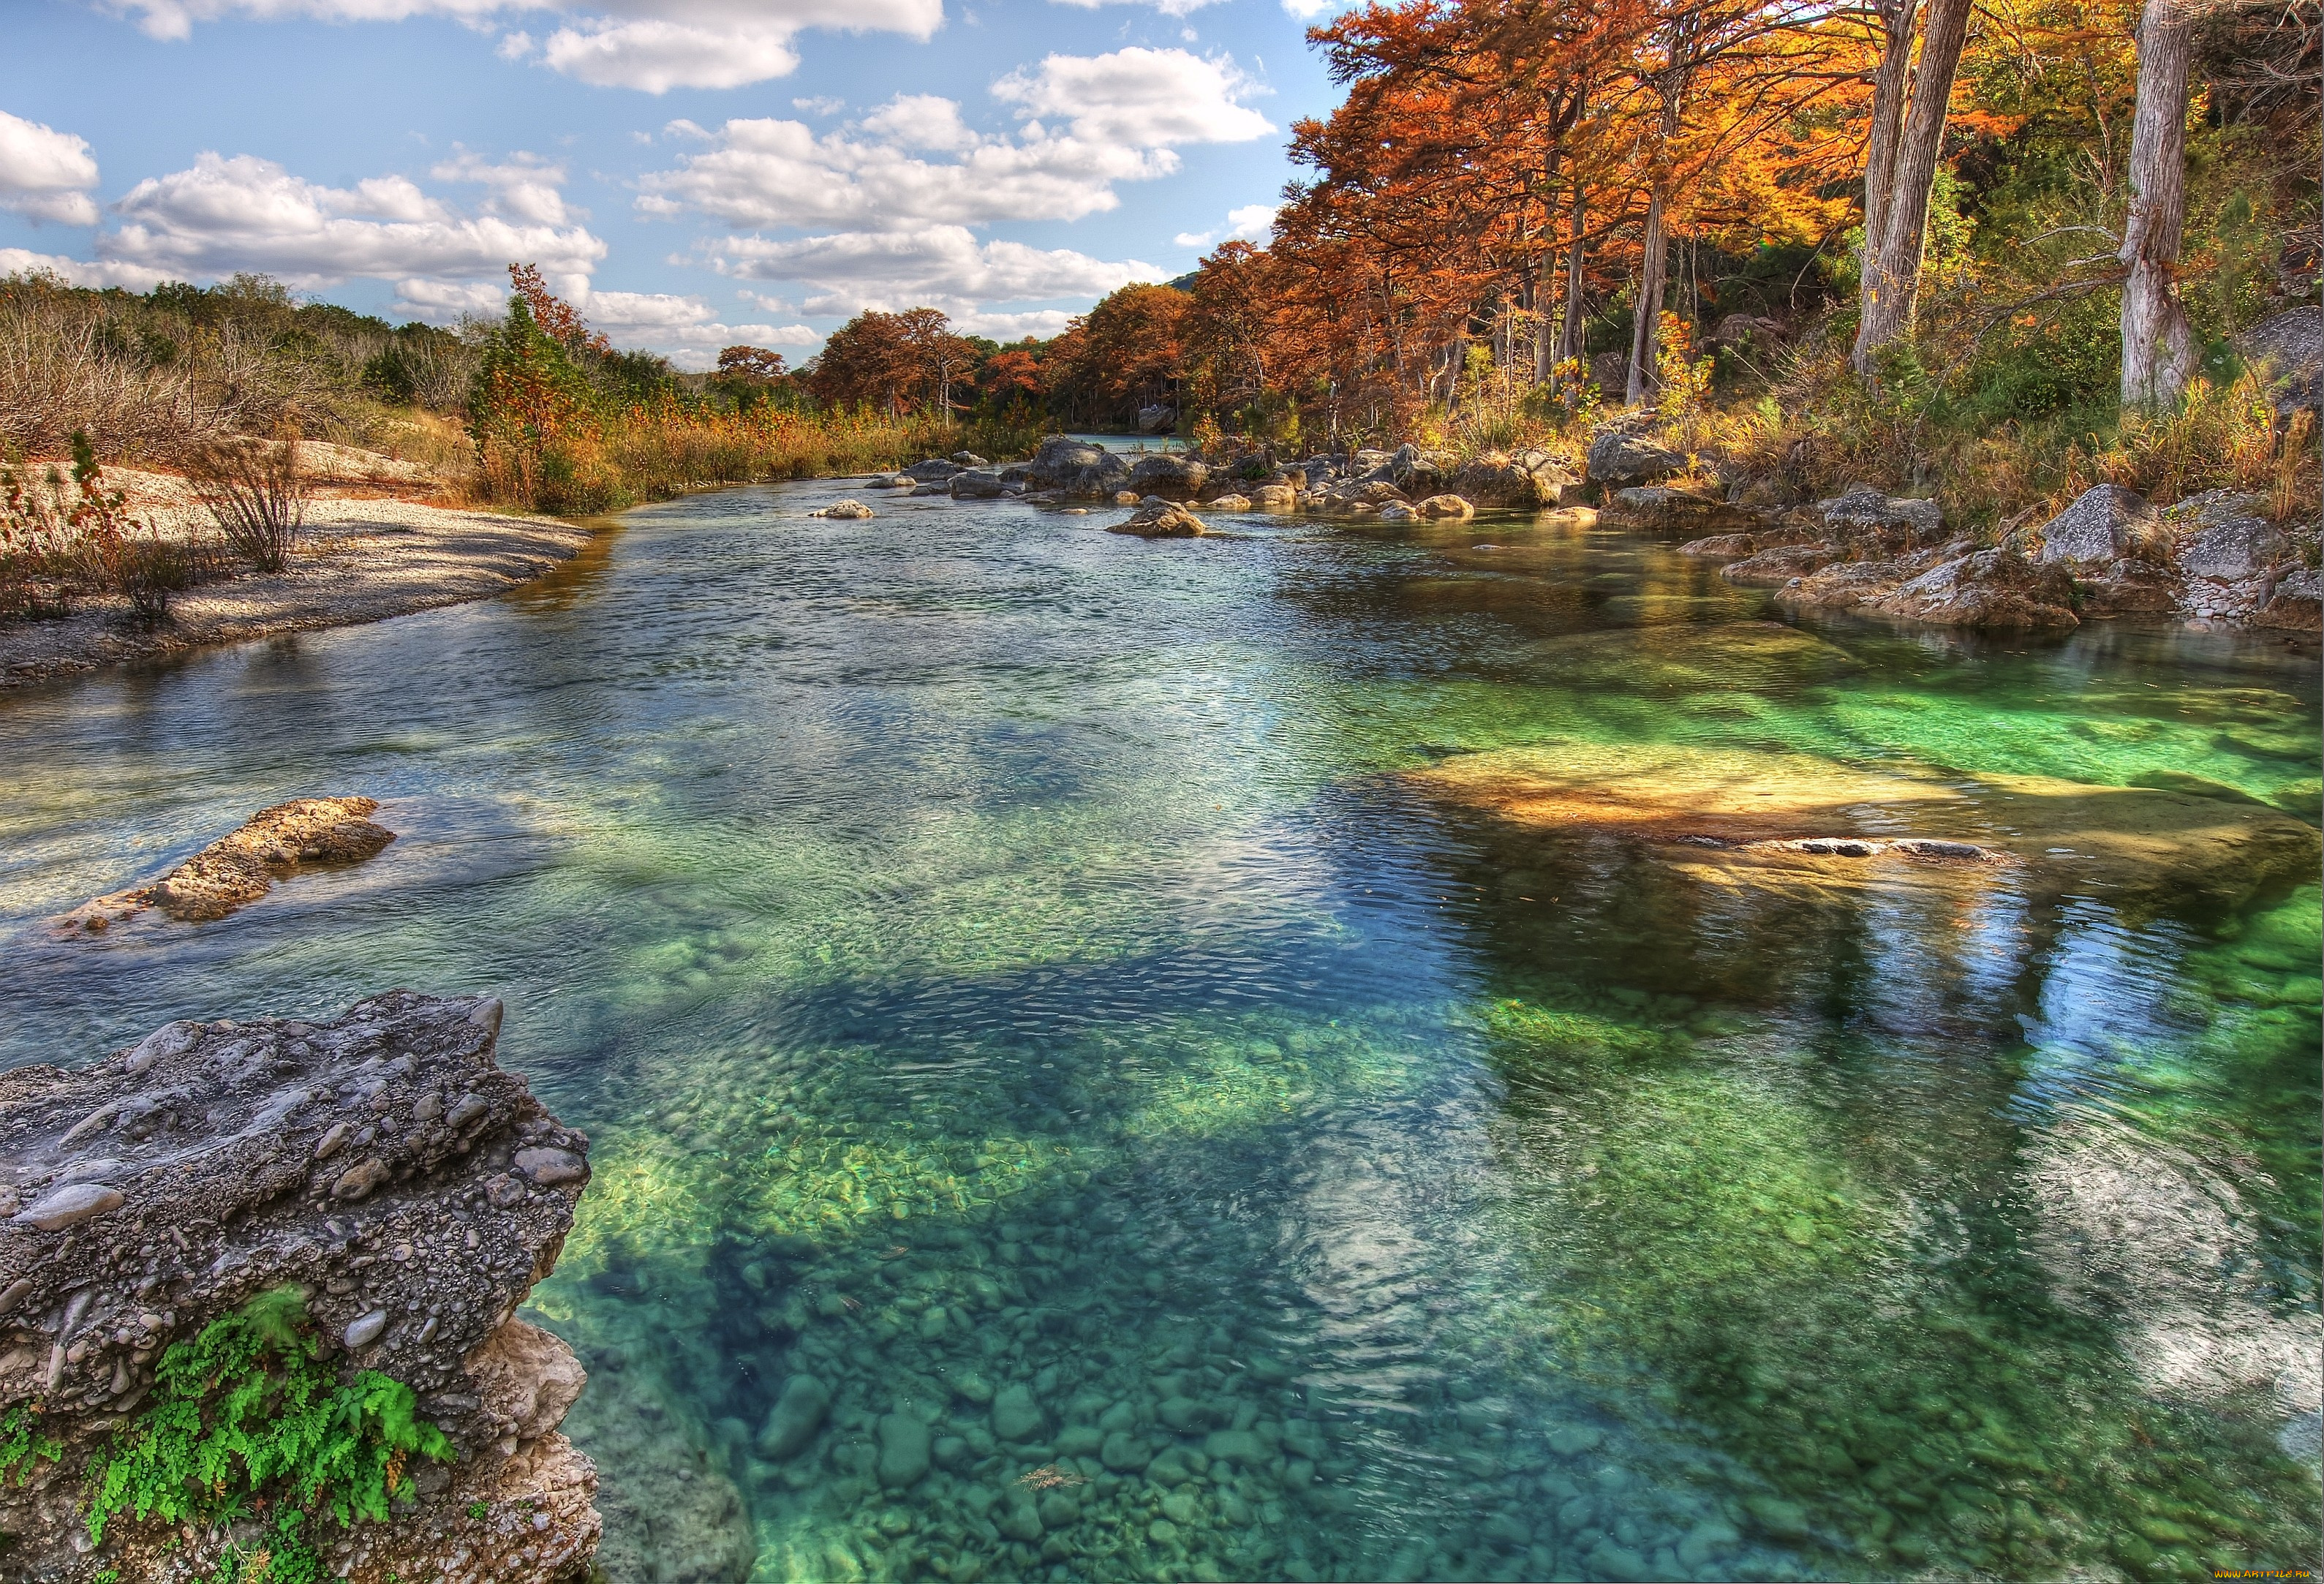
pixel 21 1443
pixel 249 1412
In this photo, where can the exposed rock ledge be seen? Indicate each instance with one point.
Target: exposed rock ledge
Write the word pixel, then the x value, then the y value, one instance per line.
pixel 382 1163
pixel 242 865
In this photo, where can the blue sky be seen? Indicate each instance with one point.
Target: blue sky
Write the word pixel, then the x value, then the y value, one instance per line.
pixel 694 172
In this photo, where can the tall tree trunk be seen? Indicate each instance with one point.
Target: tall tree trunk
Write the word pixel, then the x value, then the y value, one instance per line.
pixel 1892 278
pixel 1544 294
pixel 1568 331
pixel 1889 90
pixel 1645 318
pixel 2158 350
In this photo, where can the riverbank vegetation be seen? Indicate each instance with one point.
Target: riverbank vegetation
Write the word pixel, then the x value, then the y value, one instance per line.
pixel 1993 254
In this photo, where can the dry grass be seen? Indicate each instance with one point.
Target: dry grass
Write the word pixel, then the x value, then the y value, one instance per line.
pixel 650 454
pixel 256 493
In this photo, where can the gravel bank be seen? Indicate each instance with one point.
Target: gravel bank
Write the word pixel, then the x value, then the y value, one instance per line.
pixel 366 559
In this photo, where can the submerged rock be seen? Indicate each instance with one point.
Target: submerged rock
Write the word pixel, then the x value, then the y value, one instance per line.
pixel 1161 519
pixel 1787 820
pixel 222 1144
pixel 794 1418
pixel 239 868
pixel 1450 507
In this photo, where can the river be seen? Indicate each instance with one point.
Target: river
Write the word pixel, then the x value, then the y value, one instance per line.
pixel 1027 980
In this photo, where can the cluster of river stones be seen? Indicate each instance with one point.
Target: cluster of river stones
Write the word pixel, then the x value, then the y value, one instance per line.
pixel 2216 558
pixel 997 1400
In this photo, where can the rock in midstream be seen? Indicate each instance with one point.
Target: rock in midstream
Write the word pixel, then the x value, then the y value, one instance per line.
pixel 445 1194
pixel 242 865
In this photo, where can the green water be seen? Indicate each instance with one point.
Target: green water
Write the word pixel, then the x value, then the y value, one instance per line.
pixel 1012 977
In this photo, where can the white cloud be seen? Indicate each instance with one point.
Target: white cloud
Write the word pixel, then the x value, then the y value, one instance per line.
pixel 44 173
pixel 1122 113
pixel 445 302
pixel 764 172
pixel 245 212
pixel 1251 223
pixel 653 45
pixel 1307 10
pixel 1143 98
pixel 18 260
pixel 1040 323
pixel 523 186
pixel 1167 7
pixel 656 55
pixel 920 121
pixel 821 105
pixel 934 266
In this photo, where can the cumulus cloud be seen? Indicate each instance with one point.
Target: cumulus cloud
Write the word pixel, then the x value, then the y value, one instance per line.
pixel 1144 98
pixel 934 266
pixel 1167 7
pixel 1251 223
pixel 1120 115
pixel 245 212
pixel 1040 323
pixel 652 45
pixel 765 172
pixel 684 328
pixel 19 261
pixel 1307 10
pixel 920 121
pixel 45 174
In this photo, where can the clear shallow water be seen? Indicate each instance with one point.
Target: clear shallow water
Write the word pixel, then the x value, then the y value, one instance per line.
pixel 1011 978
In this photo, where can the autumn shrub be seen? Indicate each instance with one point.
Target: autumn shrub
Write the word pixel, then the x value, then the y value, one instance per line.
pixel 58 538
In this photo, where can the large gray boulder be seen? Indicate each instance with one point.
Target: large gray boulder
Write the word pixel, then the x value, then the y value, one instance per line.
pixel 379 1161
pixel 977 483
pixel 1530 480
pixel 934 470
pixel 1618 458
pixel 1864 519
pixel 2290 348
pixel 1077 468
pixel 2099 527
pixel 2222 536
pixel 1169 475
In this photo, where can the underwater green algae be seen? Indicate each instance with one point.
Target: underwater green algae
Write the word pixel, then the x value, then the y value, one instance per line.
pixel 1872 1342
pixel 1066 1105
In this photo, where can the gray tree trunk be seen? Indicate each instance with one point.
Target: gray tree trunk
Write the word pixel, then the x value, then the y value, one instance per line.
pixel 1545 293
pixel 1891 276
pixel 1569 332
pixel 2158 348
pixel 1889 87
pixel 1645 316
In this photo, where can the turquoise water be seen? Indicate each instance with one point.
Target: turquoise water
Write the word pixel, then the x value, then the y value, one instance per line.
pixel 1036 986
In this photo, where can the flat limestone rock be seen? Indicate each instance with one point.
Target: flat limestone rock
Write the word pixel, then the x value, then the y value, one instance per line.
pixel 239 868
pixel 1741 810
pixel 383 1162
